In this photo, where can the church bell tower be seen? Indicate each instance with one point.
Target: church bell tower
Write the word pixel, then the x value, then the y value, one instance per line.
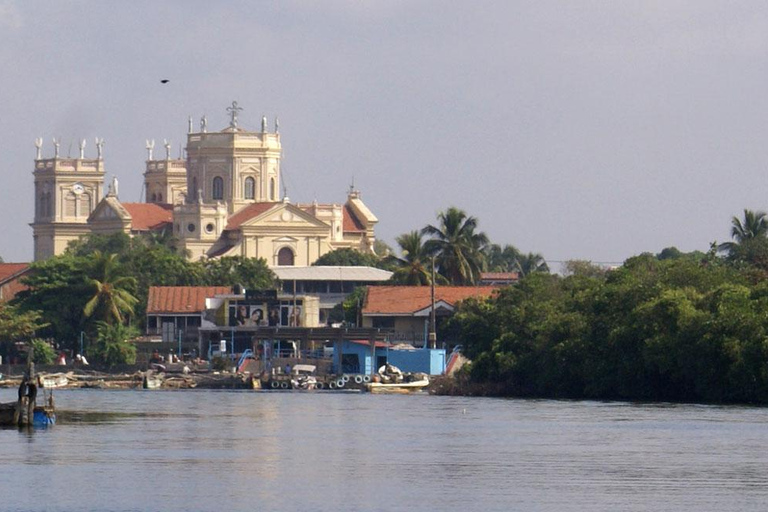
pixel 66 192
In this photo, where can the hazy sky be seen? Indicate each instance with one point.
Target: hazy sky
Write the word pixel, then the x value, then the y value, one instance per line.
pixel 589 130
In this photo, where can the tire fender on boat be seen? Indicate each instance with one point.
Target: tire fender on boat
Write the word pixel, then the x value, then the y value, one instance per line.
pixel 274 384
pixel 358 379
pixel 340 383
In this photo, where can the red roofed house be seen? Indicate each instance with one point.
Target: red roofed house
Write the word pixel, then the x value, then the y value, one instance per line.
pixel 407 309
pixel 174 308
pixel 223 199
pixel 10 279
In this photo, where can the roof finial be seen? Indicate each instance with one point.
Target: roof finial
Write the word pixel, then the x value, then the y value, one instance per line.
pixel 233 110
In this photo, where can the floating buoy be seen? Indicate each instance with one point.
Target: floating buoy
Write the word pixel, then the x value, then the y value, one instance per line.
pixel 358 379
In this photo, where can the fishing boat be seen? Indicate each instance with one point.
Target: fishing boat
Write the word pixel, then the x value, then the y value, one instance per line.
pixel 25 412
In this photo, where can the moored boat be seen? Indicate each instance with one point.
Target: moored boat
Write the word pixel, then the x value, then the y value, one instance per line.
pixel 397 387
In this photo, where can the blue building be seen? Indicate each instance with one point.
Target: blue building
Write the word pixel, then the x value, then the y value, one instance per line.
pixel 356 357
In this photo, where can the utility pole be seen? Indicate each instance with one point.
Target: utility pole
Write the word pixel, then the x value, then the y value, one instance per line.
pixel 432 323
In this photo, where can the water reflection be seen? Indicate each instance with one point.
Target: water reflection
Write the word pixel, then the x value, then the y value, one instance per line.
pixel 202 450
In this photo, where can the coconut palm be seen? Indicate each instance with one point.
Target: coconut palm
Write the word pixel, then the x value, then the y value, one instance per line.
pixel 501 259
pixel 755 225
pixel 457 246
pixel 112 292
pixel 530 263
pixel 413 268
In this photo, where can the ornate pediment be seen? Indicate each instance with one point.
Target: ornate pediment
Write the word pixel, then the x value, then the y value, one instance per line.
pixel 285 215
pixel 109 209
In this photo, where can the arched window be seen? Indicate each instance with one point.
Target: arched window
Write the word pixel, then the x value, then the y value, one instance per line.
pixel 250 188
pixel 159 198
pixel 218 188
pixel 193 192
pixel 285 257
pixel 154 198
pixel 272 195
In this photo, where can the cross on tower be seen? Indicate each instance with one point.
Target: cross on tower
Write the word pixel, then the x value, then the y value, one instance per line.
pixel 233 110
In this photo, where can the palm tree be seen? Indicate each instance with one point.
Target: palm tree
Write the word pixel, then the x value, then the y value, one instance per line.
pixel 530 263
pixel 755 225
pixel 412 267
pixel 112 297
pixel 501 259
pixel 456 246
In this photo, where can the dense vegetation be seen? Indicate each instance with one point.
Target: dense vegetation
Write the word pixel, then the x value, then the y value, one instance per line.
pixel 100 285
pixel 667 327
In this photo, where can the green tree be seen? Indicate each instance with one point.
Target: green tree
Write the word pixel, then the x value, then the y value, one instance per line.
pixel 57 289
pixel 43 352
pixel 251 273
pixel 18 325
pixel 350 309
pixel 529 263
pixel 111 346
pixel 413 268
pixel 457 246
pixel 754 225
pixel 112 297
pixel 583 268
pixel 501 259
pixel 347 257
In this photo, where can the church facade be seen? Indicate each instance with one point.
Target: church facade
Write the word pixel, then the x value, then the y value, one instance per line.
pixel 224 199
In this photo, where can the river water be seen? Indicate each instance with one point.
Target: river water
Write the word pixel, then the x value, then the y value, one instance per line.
pixel 240 450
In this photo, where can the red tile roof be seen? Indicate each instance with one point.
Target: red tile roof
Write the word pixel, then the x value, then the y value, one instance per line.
pixel 9 270
pixel 149 216
pixel 181 299
pixel 405 300
pixel 10 275
pixel 351 223
pixel 247 213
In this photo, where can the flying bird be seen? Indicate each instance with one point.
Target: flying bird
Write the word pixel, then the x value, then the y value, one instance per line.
pixel 164 81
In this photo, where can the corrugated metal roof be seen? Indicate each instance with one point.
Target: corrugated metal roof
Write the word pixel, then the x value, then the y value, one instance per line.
pixel 331 273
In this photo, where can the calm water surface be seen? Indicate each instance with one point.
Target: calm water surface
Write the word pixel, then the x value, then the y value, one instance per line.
pixel 232 451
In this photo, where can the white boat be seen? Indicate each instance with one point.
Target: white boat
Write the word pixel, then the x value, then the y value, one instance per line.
pixel 152 381
pixel 397 387
pixel 54 381
pixel 303 377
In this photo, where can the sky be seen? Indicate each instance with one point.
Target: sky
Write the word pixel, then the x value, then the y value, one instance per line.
pixel 578 130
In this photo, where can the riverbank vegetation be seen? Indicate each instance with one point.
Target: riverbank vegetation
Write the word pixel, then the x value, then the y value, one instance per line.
pixel 672 326
pixel 97 291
